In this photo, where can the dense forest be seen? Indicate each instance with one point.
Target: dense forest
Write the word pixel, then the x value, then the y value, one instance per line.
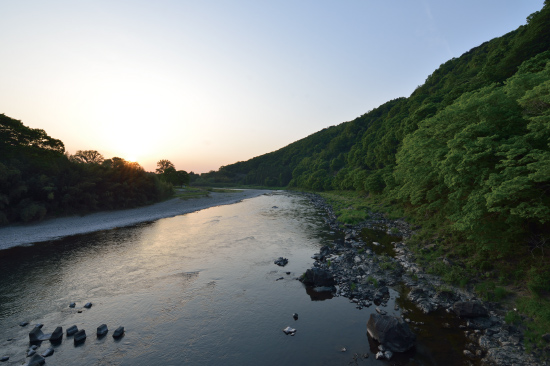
pixel 38 179
pixel 466 156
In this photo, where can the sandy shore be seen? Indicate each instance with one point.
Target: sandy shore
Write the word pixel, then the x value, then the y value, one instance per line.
pixel 60 227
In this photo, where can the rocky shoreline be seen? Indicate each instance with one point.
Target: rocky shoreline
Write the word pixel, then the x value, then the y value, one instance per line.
pixel 363 276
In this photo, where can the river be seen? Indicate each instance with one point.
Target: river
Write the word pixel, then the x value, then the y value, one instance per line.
pixel 199 288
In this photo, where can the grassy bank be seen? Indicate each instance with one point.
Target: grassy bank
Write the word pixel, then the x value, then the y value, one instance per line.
pixel 514 279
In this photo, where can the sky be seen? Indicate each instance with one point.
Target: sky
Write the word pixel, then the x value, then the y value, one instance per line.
pixel 209 83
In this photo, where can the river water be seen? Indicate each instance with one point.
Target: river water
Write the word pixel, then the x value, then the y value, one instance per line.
pixel 199 288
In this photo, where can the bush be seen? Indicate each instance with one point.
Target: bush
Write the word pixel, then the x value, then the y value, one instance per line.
pixel 539 282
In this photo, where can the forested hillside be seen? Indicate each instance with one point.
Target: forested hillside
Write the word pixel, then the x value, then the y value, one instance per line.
pixel 37 178
pixel 466 156
pixel 470 143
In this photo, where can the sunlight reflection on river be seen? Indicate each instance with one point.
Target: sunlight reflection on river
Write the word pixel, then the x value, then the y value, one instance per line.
pixel 199 288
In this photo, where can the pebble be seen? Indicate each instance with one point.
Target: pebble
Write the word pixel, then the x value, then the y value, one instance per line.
pixel 48 352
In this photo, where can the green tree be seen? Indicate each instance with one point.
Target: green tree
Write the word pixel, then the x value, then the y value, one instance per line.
pixel 87 157
pixel 164 164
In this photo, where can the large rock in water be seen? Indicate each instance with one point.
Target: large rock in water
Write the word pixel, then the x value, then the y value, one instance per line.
pixel 391 331
pixel 36 335
pixel 469 309
pixel 318 277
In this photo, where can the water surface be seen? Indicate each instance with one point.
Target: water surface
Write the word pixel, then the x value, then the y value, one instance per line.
pixel 199 288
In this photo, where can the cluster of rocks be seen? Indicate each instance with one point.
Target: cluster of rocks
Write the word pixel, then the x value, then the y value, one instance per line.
pixel 37 336
pixel 350 269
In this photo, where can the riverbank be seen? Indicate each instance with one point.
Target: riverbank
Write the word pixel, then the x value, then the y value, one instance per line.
pixel 362 265
pixel 52 229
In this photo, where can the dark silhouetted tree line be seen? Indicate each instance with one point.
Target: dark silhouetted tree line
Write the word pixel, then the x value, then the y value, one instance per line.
pixel 38 180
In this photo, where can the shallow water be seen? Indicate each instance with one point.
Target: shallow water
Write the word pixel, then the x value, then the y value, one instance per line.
pixel 199 288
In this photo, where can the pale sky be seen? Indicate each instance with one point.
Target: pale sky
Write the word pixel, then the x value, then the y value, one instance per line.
pixel 209 83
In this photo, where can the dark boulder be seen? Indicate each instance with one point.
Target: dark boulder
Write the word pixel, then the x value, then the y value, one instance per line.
pixel 80 336
pixel 88 305
pixel 119 332
pixel 72 330
pixel 318 277
pixel 36 335
pixel 57 335
pixel 102 330
pixel 469 309
pixel 36 360
pixel 391 331
pixel 325 250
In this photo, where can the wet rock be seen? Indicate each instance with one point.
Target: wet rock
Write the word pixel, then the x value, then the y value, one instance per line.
pixel 280 278
pixel 48 352
pixel 468 353
pixel 4 358
pixel 119 332
pixel 36 360
pixel 23 324
pixel 479 323
pixel 72 304
pixel 88 305
pixel 31 352
pixel 289 330
pixel 80 336
pixel 469 309
pixel 391 331
pixel 72 330
pixel 295 316
pixel 36 335
pixel 281 261
pixel 102 330
pixel 57 335
pixel 422 300
pixel 318 277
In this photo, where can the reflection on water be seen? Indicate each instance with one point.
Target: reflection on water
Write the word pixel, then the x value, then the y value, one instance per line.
pixel 199 288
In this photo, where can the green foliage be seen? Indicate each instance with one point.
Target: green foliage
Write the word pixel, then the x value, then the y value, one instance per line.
pixel 538 309
pixel 372 280
pixel 512 317
pixel 539 281
pixel 38 180
pixel 488 291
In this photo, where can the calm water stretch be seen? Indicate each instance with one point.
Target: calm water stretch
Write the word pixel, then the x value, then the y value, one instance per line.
pixel 200 288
